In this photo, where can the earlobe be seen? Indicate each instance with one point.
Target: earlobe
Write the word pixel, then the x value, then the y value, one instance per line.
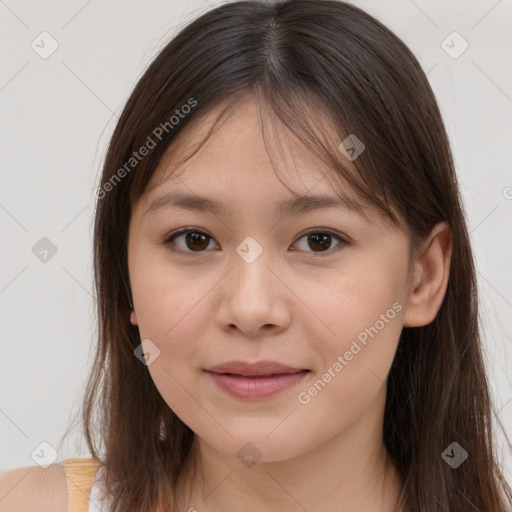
pixel 133 318
pixel 430 278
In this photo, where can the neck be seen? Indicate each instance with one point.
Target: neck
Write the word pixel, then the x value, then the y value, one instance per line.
pixel 350 472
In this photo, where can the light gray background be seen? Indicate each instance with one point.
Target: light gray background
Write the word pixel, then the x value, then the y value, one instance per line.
pixel 58 113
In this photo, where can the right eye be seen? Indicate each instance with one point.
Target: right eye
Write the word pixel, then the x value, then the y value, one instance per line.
pixel 195 239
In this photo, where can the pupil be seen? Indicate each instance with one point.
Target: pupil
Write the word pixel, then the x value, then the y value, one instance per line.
pixel 197 237
pixel 322 239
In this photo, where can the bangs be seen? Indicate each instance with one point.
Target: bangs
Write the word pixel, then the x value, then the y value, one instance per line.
pixel 287 119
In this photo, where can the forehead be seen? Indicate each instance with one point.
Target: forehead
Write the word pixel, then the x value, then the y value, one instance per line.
pixel 228 160
pixel 238 152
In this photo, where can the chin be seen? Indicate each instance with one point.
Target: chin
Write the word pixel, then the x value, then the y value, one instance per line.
pixel 257 448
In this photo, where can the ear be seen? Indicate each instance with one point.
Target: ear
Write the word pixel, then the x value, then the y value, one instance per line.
pixel 133 318
pixel 431 270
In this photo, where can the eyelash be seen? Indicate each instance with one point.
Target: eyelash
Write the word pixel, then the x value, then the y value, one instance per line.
pixel 183 231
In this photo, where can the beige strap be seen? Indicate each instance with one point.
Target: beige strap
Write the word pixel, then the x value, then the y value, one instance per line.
pixel 80 475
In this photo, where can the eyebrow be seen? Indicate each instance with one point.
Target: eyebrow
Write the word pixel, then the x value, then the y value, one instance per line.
pixel 296 206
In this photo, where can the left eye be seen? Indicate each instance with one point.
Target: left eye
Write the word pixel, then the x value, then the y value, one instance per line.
pixel 197 240
pixel 322 240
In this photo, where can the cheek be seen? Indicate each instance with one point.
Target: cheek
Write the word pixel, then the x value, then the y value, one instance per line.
pixel 353 304
pixel 360 319
pixel 356 352
pixel 166 297
pixel 172 311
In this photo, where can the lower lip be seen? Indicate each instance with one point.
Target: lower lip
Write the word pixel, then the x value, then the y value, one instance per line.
pixel 256 387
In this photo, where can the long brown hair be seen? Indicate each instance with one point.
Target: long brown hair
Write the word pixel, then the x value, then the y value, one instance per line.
pixel 303 58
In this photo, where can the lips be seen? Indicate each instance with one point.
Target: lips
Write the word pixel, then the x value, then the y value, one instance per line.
pixel 255 381
pixel 256 369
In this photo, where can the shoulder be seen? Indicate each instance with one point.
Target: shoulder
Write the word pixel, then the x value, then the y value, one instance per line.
pixel 34 488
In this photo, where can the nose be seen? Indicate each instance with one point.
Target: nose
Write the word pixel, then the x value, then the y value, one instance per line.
pixel 253 298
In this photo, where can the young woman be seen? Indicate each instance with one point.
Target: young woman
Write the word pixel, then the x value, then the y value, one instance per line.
pixel 288 314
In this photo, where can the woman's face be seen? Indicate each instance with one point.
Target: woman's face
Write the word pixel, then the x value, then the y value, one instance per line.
pixel 256 288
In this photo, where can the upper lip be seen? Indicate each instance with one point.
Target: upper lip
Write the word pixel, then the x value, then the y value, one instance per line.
pixel 248 369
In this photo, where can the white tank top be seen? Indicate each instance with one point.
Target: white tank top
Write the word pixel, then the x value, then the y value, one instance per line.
pixel 98 501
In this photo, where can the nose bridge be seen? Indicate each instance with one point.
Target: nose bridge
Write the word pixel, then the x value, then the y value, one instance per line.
pixel 251 261
pixel 251 288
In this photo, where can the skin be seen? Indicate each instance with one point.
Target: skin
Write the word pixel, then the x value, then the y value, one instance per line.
pixel 290 305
